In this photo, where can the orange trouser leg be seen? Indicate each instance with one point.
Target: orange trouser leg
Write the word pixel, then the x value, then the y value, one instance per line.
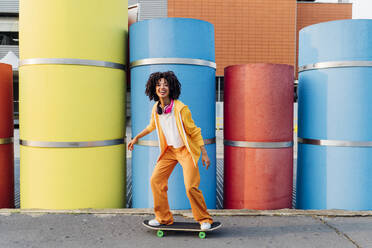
pixel 159 186
pixel 192 180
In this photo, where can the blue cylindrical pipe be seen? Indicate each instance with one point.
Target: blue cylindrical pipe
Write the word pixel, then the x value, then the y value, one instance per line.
pixel 335 113
pixel 170 38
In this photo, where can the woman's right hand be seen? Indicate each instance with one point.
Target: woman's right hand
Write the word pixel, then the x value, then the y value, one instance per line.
pixel 131 143
pixel 143 133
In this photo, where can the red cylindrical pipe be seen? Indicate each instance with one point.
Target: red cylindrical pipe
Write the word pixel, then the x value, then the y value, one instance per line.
pixel 6 136
pixel 258 107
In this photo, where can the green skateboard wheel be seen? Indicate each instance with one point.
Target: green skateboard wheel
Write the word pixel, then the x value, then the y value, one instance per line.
pixel 160 233
pixel 202 235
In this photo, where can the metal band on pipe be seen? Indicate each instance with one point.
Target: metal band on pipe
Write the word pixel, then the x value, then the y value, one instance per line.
pixel 5 141
pixel 66 61
pixel 249 144
pixel 335 64
pixel 156 143
pixel 184 61
pixel 342 143
pixel 71 144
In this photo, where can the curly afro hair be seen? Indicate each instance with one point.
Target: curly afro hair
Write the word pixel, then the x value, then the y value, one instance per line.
pixel 173 83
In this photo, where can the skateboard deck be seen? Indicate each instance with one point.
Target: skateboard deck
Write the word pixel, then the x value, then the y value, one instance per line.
pixel 182 226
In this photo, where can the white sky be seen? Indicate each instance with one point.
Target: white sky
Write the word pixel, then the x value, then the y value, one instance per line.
pixel 362 9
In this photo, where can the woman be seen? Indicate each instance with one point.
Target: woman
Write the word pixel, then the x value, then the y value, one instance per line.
pixel 180 142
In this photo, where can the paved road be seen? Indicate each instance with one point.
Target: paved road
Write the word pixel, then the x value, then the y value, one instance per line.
pixel 125 230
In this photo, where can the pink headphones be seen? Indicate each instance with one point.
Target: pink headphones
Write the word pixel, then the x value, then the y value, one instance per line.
pixel 167 109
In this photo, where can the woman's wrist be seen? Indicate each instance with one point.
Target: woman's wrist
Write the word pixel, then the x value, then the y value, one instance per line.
pixel 203 150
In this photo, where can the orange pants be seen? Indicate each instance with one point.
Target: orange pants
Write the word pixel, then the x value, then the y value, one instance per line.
pixel 159 186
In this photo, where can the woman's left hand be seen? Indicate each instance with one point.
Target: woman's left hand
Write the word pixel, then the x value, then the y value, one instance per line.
pixel 205 159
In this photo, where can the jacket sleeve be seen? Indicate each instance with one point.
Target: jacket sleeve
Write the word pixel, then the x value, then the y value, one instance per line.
pixel 190 128
pixel 151 126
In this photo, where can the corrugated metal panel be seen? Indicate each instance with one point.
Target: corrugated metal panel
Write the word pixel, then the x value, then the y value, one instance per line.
pixel 9 6
pixel 5 49
pixel 8 24
pixel 150 9
pixel 132 2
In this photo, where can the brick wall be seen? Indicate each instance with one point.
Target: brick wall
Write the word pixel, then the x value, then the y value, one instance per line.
pixel 251 31
pixel 257 31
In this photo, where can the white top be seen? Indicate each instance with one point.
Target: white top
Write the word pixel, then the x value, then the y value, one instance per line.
pixel 169 127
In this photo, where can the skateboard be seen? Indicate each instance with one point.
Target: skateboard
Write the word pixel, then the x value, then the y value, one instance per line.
pixel 182 226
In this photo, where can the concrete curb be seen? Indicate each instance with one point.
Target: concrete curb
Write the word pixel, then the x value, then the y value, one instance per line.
pixel 187 213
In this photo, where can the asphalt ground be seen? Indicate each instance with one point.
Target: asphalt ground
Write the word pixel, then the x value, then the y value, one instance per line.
pixel 241 228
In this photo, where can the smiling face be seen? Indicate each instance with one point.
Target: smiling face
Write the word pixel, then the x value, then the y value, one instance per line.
pixel 162 88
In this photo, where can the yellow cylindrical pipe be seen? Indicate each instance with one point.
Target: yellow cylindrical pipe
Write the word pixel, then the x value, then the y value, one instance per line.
pixel 72 178
pixel 84 29
pixel 69 104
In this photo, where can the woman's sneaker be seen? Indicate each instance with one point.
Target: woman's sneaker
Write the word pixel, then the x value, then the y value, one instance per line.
pixel 205 226
pixel 154 222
